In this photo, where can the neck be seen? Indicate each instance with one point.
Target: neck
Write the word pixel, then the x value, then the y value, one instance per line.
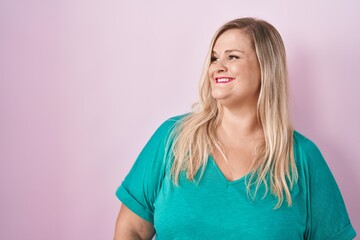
pixel 241 125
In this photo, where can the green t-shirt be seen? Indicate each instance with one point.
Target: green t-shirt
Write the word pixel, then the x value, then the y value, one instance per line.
pixel 216 208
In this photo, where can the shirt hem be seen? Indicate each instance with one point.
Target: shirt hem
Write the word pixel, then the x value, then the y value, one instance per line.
pixel 129 201
pixel 346 234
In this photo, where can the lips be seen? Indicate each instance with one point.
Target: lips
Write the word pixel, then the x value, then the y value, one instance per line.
pixel 224 79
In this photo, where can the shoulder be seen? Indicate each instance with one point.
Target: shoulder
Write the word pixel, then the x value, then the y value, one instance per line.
pixel 175 119
pixel 304 145
pixel 170 123
pixel 308 156
pixel 167 126
pixel 306 152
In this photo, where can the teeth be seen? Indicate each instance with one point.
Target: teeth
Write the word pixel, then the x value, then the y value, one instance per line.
pixel 223 80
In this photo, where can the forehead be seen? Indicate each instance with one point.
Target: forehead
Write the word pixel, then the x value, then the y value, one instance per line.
pixel 233 39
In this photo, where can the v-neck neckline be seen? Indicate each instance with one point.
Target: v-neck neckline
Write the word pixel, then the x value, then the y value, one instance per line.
pixel 241 179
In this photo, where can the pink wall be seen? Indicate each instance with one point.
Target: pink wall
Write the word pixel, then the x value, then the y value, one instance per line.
pixel 83 84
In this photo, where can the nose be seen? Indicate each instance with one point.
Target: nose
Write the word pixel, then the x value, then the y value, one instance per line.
pixel 221 66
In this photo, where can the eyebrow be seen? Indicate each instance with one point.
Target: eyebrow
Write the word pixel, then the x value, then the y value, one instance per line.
pixel 230 50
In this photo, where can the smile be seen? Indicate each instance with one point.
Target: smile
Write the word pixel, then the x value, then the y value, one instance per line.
pixel 223 79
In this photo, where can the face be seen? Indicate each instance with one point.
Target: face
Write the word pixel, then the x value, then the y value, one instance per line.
pixel 234 70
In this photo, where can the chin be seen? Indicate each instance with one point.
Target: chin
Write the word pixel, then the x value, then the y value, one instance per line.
pixel 221 99
pixel 218 95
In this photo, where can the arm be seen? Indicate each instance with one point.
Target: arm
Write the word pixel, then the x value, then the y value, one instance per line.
pixel 130 226
pixel 327 217
pixel 140 187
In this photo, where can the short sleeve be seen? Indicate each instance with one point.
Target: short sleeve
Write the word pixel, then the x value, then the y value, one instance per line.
pixel 328 218
pixel 139 189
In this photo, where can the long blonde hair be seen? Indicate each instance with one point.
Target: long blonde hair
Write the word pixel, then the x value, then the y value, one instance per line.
pixel 194 137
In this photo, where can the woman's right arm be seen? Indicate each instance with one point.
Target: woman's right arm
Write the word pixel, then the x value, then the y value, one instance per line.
pixel 130 226
pixel 140 187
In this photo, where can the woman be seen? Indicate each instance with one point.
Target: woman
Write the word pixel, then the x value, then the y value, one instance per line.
pixel 234 168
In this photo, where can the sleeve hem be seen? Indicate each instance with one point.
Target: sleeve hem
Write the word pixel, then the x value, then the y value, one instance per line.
pixel 127 199
pixel 345 234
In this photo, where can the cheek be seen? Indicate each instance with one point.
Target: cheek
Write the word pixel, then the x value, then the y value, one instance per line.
pixel 210 70
pixel 254 73
pixel 240 68
pixel 256 70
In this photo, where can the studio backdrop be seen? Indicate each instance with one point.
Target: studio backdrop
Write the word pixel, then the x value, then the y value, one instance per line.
pixel 84 84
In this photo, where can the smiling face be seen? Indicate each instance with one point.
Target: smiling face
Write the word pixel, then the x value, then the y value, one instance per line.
pixel 234 71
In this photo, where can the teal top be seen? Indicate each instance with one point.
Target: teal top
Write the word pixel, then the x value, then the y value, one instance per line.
pixel 216 208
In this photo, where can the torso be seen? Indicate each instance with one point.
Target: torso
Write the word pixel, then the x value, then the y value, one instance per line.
pixel 220 209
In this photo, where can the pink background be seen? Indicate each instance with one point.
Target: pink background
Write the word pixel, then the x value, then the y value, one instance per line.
pixel 83 85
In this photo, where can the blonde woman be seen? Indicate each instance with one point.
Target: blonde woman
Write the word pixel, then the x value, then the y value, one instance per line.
pixel 234 168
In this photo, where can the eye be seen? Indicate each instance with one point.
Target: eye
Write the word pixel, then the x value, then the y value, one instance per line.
pixel 233 57
pixel 213 59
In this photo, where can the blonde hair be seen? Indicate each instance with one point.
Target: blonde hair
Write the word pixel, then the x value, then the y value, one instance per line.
pixel 194 137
